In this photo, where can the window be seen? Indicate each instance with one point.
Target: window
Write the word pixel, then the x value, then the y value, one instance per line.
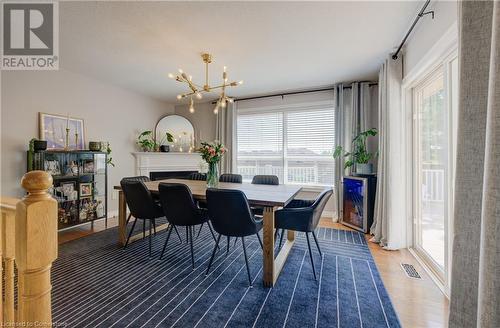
pixel 434 136
pixel 294 143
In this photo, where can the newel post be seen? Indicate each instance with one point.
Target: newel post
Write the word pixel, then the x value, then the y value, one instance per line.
pixel 36 249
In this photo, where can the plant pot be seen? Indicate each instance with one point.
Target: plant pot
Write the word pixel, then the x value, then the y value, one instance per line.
pixel 364 168
pixel 95 145
pixel 39 145
pixel 164 148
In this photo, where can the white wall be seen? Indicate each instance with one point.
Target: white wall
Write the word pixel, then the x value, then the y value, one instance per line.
pixel 428 31
pixel 110 114
pixel 203 119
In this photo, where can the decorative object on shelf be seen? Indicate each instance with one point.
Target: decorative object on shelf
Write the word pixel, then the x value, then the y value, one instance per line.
pixel 71 169
pixel 39 145
pixel 52 166
pixel 197 90
pixel 109 161
pixel 88 166
pixel 85 189
pixel 359 156
pixel 34 145
pixel 182 131
pixel 95 145
pixel 147 142
pixel 212 154
pixel 56 129
pixel 164 148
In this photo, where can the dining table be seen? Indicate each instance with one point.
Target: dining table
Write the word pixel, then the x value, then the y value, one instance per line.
pixel 269 197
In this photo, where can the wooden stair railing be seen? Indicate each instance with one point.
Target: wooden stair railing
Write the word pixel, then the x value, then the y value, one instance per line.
pixel 28 234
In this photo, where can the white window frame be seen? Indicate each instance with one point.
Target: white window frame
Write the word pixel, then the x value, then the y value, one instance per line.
pixel 440 55
pixel 298 107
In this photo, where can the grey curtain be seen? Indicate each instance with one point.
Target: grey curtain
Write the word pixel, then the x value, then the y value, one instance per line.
pixel 389 86
pixel 224 132
pixel 356 106
pixel 475 282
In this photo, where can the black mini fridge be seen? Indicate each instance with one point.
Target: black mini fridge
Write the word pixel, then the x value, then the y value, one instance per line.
pixel 358 201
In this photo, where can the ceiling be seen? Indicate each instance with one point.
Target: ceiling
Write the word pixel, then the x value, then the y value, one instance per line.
pixel 272 46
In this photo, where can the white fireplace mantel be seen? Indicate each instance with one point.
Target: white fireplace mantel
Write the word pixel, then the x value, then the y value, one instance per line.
pixel 146 162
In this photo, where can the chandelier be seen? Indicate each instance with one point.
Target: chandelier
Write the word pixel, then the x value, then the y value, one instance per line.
pixel 196 90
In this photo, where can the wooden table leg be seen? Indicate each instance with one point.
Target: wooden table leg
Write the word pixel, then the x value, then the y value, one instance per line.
pixel 272 266
pixel 122 218
pixel 268 252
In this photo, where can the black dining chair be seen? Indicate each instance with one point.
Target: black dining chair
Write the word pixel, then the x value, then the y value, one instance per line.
pixel 180 209
pixel 230 177
pixel 141 204
pixel 266 180
pixel 303 218
pixel 197 176
pixel 231 216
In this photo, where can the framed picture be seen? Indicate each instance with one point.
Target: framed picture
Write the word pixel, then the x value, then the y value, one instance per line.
pixel 88 166
pixel 85 189
pixel 52 128
pixel 52 167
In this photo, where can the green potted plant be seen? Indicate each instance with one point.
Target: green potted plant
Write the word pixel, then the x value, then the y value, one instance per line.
pixel 359 157
pixel 147 141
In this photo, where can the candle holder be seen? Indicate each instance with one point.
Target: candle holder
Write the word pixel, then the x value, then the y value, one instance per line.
pixel 66 145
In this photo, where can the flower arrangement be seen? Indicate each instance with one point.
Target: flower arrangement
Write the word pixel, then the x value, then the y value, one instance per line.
pixel 212 153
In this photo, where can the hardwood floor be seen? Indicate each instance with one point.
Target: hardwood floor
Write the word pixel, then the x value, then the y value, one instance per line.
pixel 418 302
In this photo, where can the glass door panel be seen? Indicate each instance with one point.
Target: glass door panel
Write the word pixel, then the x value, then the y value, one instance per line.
pixel 431 169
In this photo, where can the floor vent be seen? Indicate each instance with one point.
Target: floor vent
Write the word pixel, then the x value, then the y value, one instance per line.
pixel 410 271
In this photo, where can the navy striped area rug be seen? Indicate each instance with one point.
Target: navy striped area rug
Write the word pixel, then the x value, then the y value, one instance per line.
pixel 96 284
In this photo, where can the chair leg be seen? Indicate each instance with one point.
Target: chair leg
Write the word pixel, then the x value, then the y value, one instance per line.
pixel 281 238
pixel 212 232
pixel 260 241
pixel 177 232
pixel 187 236
pixel 149 237
pixel 199 231
pixel 170 228
pixel 227 248
pixel 246 261
pixel 235 242
pixel 311 255
pixel 143 229
pixel 276 234
pixel 128 219
pixel 213 255
pixel 130 233
pixel 317 244
pixel 191 246
pixel 154 226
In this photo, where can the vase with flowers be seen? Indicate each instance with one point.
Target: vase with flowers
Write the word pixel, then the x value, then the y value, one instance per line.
pixel 212 154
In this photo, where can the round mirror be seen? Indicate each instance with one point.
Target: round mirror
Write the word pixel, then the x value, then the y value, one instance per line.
pixel 180 128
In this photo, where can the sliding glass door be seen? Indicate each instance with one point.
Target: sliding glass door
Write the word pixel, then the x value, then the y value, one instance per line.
pixel 434 110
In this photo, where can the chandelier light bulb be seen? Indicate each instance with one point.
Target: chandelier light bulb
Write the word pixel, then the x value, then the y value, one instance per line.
pixel 198 95
pixel 231 100
pixel 181 71
pixel 179 97
pixel 170 75
pixel 240 82
pixel 190 77
pixel 191 106
pixel 216 110
pixel 225 69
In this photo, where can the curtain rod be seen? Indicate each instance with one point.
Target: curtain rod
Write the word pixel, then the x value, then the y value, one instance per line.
pixel 421 14
pixel 294 93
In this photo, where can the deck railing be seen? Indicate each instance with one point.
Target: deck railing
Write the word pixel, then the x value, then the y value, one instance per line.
pixel 28 234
